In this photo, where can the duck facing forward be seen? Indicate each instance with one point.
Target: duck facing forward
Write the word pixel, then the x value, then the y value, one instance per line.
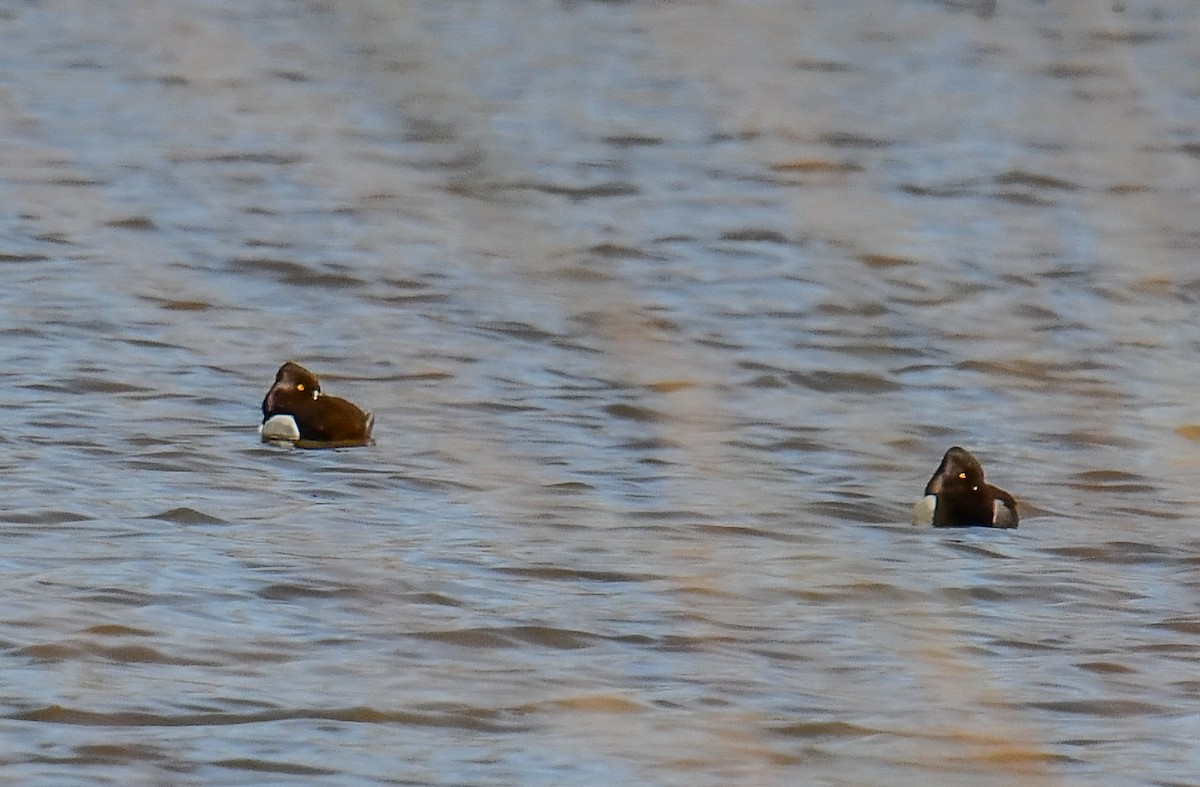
pixel 958 496
pixel 296 411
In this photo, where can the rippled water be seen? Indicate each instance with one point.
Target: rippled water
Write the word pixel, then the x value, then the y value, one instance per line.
pixel 666 312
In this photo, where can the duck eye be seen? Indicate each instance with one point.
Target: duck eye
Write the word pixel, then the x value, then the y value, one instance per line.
pixel 962 475
pixel 299 386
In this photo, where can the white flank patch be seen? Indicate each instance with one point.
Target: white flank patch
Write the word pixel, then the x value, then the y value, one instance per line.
pixel 1003 516
pixel 923 511
pixel 280 427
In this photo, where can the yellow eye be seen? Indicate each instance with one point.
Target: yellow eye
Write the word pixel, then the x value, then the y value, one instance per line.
pixel 962 475
pixel 299 386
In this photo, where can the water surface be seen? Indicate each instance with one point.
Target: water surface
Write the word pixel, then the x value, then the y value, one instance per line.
pixel 666 312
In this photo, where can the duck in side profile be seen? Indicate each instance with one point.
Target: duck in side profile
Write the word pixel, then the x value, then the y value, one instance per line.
pixel 296 411
pixel 957 496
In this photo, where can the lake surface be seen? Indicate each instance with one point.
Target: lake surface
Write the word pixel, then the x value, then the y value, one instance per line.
pixel 666 311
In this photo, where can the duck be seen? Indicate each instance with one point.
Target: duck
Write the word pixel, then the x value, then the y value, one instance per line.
pixel 296 411
pixel 958 496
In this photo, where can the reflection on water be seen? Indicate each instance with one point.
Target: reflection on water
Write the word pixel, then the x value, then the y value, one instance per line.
pixel 665 311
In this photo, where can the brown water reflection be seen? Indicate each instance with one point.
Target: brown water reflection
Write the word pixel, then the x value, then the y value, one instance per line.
pixel 665 311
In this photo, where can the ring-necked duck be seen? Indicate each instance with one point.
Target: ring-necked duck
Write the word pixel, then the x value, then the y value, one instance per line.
pixel 296 411
pixel 957 496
